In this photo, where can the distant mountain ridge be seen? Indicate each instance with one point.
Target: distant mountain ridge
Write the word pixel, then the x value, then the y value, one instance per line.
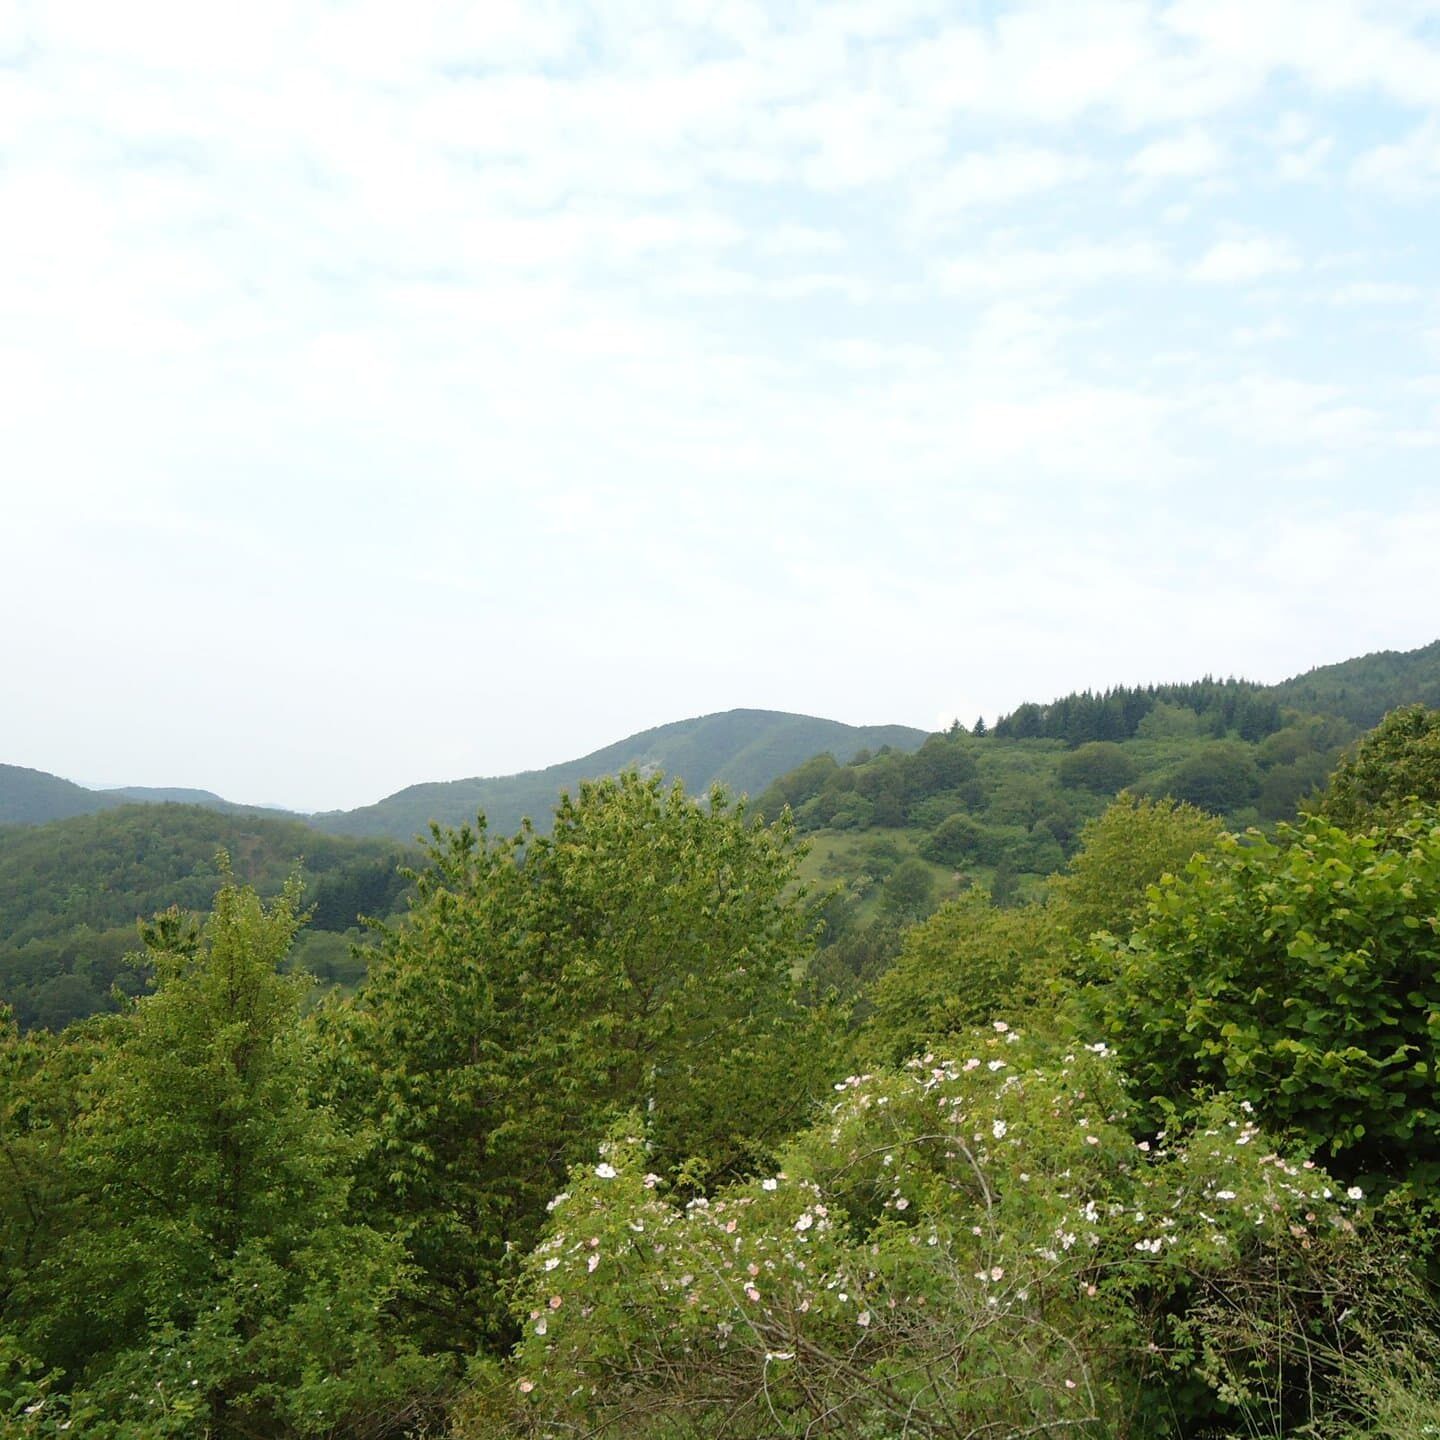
pixel 743 750
pixel 35 797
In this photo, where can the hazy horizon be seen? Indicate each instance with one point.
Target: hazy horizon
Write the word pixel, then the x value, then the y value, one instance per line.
pixel 388 398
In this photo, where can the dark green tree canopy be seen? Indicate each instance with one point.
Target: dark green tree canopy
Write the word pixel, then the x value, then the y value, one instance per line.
pixel 1101 766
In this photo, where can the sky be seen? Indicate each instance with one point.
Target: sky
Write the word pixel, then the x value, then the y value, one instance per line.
pixel 395 393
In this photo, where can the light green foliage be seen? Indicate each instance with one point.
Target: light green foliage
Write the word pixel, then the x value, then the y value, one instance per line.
pixel 195 1276
pixel 1395 763
pixel 1123 852
pixel 644 954
pixel 967 964
pixel 975 1244
pixel 1303 975
pixel 1170 722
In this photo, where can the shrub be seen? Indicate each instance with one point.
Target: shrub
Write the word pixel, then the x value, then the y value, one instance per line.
pixel 1304 975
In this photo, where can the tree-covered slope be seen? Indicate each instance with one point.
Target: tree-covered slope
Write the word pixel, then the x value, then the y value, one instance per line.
pixel 72 890
pixel 1363 690
pixel 742 749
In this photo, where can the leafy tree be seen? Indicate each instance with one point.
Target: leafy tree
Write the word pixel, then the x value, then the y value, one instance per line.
pixel 1303 975
pixel 941 763
pixel 909 893
pixel 643 954
pixel 1102 767
pixel 968 964
pixel 1219 778
pixel 200 1278
pixel 1123 852
pixel 959 840
pixel 1397 762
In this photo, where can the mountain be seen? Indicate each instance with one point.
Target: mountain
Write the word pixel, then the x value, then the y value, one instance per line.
pixel 33 797
pixel 1364 689
pixel 743 750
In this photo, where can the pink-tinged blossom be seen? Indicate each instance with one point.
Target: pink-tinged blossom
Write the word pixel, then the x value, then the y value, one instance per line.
pixel 751 1293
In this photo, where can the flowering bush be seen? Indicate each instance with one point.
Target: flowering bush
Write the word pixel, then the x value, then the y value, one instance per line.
pixel 972 1241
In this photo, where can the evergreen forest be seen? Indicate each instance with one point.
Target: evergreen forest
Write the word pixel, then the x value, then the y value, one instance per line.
pixel 1071 1075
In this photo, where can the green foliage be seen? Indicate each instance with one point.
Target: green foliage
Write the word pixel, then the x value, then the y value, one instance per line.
pixel 1123 852
pixel 186 1266
pixel 643 954
pixel 1101 767
pixel 1304 976
pixel 70 893
pixel 1118 714
pixel 1394 765
pixel 1220 777
pixel 961 840
pixel 969 963
pixel 909 892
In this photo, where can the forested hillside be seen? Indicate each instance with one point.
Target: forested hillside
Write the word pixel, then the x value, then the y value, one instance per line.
pixel 1004 807
pixel 743 750
pixel 72 891
pixel 597 1149
pixel 1363 690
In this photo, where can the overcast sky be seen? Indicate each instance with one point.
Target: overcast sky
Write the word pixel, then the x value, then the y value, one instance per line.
pixel 393 392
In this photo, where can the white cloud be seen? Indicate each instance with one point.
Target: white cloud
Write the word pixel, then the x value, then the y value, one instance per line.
pixel 1239 261
pixel 1376 292
pixel 1408 169
pixel 1071 266
pixel 999 177
pixel 1187 156
pixel 792 239
pixel 580 302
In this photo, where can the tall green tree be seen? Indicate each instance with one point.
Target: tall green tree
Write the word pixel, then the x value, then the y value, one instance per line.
pixel 201 1279
pixel 644 955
